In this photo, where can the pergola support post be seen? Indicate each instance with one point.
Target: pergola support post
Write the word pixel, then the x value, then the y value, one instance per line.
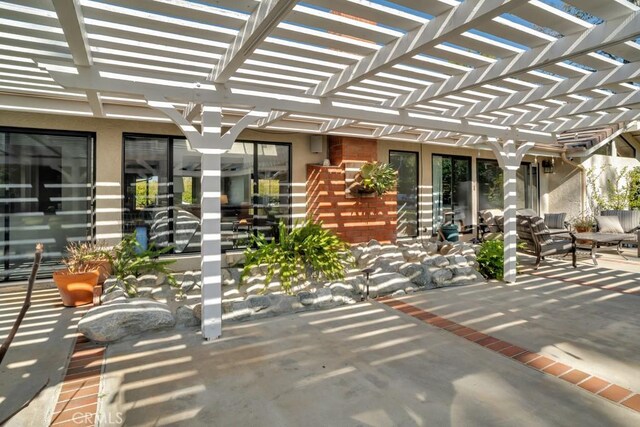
pixel 509 158
pixel 211 143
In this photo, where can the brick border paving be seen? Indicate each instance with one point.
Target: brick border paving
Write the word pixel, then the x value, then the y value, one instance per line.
pixel 78 400
pixel 547 365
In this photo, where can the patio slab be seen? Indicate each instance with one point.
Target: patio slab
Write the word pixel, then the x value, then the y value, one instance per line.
pixel 38 354
pixel 369 364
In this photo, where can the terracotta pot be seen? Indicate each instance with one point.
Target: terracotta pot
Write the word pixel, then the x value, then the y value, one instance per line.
pixel 582 230
pixel 76 288
pixel 103 267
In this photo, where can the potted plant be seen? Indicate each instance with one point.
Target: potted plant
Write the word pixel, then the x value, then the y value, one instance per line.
pixel 76 282
pixel 583 224
pixel 374 177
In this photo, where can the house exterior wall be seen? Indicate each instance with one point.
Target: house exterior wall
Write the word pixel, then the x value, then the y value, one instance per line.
pixel 108 155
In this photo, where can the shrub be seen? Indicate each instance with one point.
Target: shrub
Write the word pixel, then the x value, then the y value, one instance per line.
pixel 306 248
pixel 130 259
pixel 491 259
pixel 377 178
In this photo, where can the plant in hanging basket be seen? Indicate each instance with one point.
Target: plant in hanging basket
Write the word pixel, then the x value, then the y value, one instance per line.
pixel 375 178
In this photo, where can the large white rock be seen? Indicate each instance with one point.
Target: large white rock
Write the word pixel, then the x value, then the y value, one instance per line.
pixel 117 320
pixel 386 283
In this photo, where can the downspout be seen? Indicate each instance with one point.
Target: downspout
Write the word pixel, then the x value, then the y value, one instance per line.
pixel 583 173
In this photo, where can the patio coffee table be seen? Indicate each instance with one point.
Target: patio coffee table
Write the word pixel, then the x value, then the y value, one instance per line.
pixel 597 238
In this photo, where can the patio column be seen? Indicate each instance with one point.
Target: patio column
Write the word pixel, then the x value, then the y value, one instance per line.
pixel 509 158
pixel 211 143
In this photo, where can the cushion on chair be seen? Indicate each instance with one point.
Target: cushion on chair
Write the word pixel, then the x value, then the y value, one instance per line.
pixel 556 247
pixel 490 217
pixel 538 226
pixel 555 220
pixel 629 219
pixel 609 224
pixel 526 212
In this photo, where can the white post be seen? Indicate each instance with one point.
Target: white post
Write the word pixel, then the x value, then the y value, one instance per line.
pixel 211 258
pixel 211 143
pixel 510 235
pixel 509 158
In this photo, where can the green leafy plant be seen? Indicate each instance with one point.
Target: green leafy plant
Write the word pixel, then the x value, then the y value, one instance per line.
pixel 634 188
pixel 621 189
pixel 491 259
pixel 131 259
pixel 80 255
pixel 583 222
pixel 377 178
pixel 306 249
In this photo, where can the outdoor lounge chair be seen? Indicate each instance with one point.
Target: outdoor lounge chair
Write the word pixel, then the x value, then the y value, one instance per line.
pixel 537 238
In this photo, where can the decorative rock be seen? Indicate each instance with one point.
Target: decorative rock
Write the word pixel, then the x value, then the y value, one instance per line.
pixel 240 310
pixel 197 310
pixel 386 283
pixel 149 280
pixel 323 297
pixel 185 317
pixel 440 261
pixel 431 248
pixel 306 297
pixel 258 302
pixel 439 277
pixel 446 248
pixel 398 293
pixel 410 290
pixel 113 321
pixel 357 251
pixel 111 282
pixel 234 258
pixel 417 273
pixel 411 255
pixel 162 293
pixel 341 289
pixel 388 265
pixel 116 295
pixel 281 304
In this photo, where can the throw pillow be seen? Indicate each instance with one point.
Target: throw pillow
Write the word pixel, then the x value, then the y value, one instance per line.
pixel 555 220
pixel 609 224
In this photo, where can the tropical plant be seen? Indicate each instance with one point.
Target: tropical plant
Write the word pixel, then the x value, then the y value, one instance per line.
pixel 131 259
pixel 491 258
pixel 80 256
pixel 306 249
pixel 377 178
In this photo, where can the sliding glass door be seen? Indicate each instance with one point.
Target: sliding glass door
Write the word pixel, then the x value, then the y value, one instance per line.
pixel 46 180
pixel 490 186
pixel 451 191
pixel 407 164
pixel 162 197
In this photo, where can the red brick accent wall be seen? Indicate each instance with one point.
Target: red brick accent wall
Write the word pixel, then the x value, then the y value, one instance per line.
pixel 355 219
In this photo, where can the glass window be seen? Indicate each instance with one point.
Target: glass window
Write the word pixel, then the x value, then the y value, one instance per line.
pixel 452 191
pixel 162 198
pixel 406 163
pixel 46 193
pixel 490 186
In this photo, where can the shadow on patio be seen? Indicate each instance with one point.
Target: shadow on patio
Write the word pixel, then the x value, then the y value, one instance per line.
pixel 367 364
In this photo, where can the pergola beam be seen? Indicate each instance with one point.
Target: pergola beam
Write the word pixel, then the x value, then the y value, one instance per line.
pixel 457 20
pixel 262 21
pixel 593 39
pixel 568 86
pixel 94 79
pixel 590 120
pixel 72 22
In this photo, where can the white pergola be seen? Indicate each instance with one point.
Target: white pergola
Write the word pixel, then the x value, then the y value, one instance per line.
pixel 509 75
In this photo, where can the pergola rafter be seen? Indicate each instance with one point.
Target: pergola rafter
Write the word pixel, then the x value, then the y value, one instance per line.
pixel 590 40
pixel 457 20
pixel 591 81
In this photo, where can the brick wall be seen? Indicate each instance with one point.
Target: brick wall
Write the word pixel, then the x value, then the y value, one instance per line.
pixel 355 219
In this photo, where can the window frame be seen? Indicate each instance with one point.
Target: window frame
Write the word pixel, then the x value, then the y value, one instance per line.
pixel 170 145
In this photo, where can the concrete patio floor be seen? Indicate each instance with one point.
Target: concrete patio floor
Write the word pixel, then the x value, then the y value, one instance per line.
pixel 371 365
pixel 38 354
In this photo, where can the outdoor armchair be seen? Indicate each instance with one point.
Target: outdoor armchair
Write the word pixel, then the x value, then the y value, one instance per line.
pixel 537 238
